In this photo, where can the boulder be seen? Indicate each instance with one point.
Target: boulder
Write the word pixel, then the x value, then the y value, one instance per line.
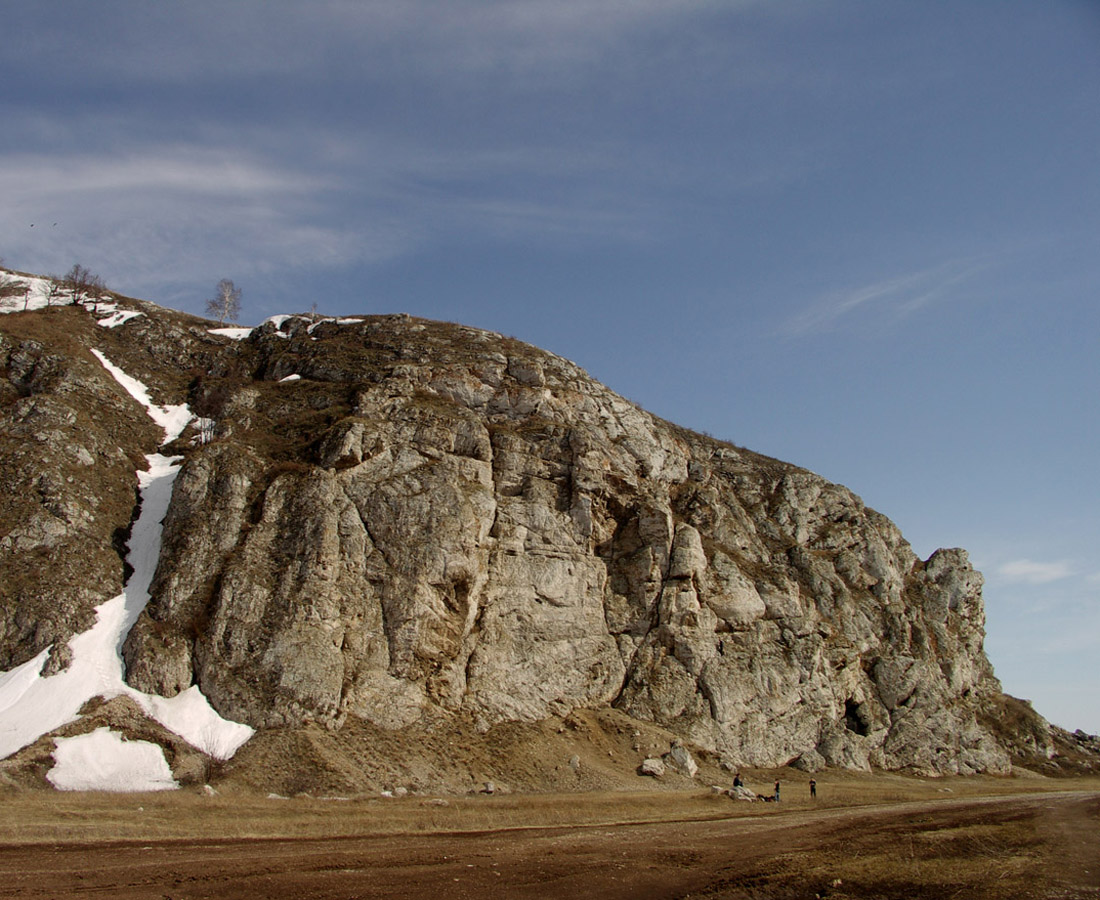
pixel 811 761
pixel 680 759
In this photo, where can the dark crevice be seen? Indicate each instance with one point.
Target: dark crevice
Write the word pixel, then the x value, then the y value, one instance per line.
pixel 854 719
pixel 120 538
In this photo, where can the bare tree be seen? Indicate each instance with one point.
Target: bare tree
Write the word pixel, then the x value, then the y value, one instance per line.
pixel 84 285
pixel 76 282
pixel 97 291
pixel 54 289
pixel 226 302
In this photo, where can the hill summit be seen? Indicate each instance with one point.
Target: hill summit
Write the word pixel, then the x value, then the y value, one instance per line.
pixel 402 551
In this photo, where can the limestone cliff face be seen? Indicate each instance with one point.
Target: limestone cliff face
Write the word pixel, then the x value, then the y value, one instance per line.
pixel 433 524
pixel 437 521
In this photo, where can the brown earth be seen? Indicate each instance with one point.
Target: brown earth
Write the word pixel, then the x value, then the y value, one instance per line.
pixel 1043 844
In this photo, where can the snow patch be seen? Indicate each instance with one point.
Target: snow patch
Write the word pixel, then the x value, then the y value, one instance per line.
pixel 32 705
pixel 14 683
pixel 103 761
pixel 280 320
pixel 117 317
pixel 36 295
pixel 190 715
pixel 237 334
pixel 173 419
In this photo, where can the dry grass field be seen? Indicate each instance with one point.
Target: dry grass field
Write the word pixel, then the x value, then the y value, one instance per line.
pixel 864 837
pixel 35 817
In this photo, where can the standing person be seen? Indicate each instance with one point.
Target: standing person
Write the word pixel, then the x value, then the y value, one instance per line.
pixel 777 792
pixel 813 789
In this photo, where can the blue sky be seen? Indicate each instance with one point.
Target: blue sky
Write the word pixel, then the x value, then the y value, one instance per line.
pixel 859 235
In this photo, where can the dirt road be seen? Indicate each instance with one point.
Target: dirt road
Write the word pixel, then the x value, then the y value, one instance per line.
pixel 1040 846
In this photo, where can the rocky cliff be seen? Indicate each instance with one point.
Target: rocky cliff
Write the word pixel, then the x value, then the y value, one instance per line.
pixel 394 523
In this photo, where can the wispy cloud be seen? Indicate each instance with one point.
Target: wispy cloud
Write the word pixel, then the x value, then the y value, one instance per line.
pixel 190 170
pixel 1033 572
pixel 266 134
pixel 205 41
pixel 895 297
pixel 163 214
pixel 158 214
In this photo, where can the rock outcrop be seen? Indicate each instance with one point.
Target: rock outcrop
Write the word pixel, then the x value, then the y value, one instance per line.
pixel 69 487
pixel 432 522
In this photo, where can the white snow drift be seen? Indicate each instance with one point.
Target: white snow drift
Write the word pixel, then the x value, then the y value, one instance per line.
pixel 102 761
pixel 37 295
pixel 32 705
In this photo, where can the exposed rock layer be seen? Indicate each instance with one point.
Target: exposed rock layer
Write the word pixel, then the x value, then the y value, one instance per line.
pixel 437 522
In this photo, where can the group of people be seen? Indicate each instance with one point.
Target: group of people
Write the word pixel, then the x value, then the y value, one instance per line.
pixel 739 782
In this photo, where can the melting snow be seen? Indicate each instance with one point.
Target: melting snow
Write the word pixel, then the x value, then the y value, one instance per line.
pixel 102 761
pixel 32 705
pixel 240 334
pixel 173 419
pixel 237 334
pixel 37 296
pixel 117 316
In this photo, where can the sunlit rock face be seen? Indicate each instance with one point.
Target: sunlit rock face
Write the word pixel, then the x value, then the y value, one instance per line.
pixel 433 521
pixel 436 520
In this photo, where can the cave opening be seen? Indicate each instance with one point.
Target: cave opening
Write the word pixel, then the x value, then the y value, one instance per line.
pixel 853 718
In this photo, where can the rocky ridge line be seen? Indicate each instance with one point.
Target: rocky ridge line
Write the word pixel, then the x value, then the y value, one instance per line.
pixel 415 524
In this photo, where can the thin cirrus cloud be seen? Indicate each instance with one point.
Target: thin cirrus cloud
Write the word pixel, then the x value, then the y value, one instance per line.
pixel 332 200
pixel 314 187
pixel 190 170
pixel 1032 572
pixel 532 38
pixel 892 298
pixel 155 215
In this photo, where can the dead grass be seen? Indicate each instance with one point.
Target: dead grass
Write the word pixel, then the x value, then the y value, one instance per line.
pixel 991 859
pixel 38 817
pixel 33 817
